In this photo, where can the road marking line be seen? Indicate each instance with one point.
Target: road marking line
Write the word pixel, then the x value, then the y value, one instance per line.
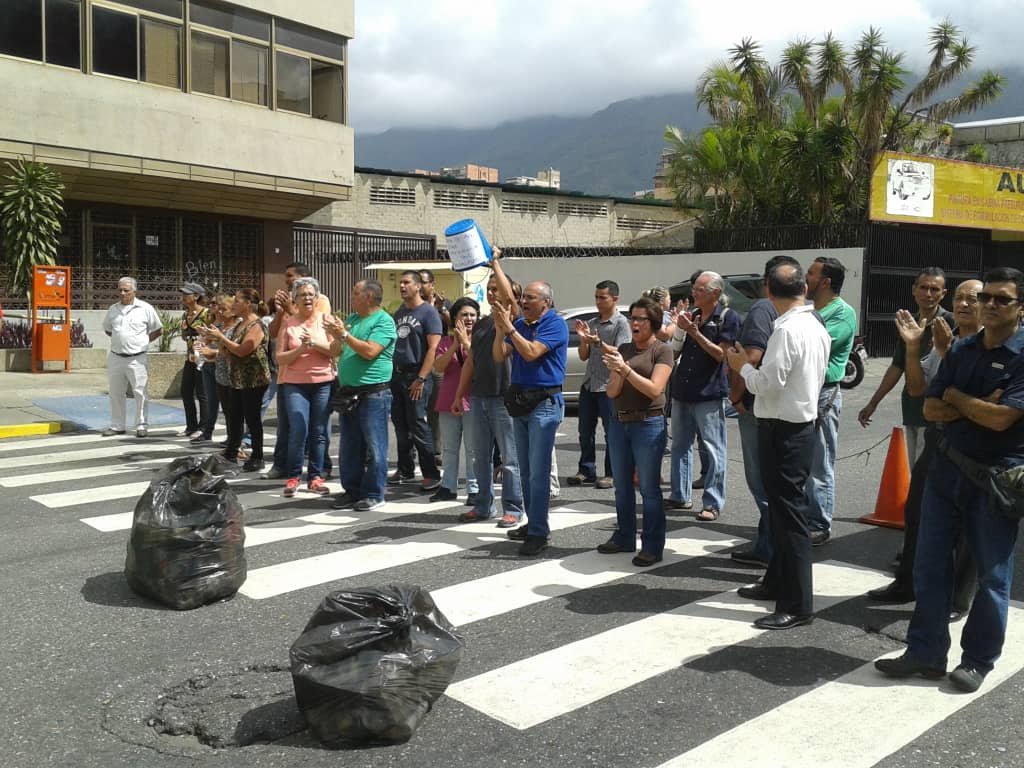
pixel 122 521
pixel 501 593
pixel 82 473
pixel 534 690
pixel 869 717
pixel 311 571
pixel 125 452
pixel 48 443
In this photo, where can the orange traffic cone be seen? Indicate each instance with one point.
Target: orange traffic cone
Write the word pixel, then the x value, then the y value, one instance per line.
pixel 892 493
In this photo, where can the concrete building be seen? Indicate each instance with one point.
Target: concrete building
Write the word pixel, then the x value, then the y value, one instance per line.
pixel 468 172
pixel 190 133
pixel 1003 138
pixel 510 216
pixel 549 178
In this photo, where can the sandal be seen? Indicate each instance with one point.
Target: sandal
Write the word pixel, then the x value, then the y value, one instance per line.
pixel 706 516
pixel 645 559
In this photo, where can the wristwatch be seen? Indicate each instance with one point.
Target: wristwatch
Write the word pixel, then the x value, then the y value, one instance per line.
pixel 344 335
pixel 421 379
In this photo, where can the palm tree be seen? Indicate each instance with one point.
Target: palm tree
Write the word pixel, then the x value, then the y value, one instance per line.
pixel 31 210
pixel 797 143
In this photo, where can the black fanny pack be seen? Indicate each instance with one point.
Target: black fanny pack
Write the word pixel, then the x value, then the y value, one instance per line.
pixel 347 399
pixel 521 402
pixel 1005 487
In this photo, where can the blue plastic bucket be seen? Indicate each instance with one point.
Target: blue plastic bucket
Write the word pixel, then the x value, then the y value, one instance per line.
pixel 467 246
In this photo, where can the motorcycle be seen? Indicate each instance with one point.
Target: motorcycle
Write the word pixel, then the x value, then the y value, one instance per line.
pixel 855 365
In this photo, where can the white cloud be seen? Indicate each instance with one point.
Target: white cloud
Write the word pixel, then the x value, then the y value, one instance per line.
pixel 471 63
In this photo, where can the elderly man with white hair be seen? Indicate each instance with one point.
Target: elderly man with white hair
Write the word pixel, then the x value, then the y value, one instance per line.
pixel 699 389
pixel 131 325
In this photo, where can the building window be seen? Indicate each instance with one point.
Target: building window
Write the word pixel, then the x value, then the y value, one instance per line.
pixel 21 33
pixel 161 53
pixel 449 198
pixel 170 8
pixel 115 43
pixel 63 33
pixel 510 205
pixel 314 41
pixel 238 21
pixel 250 72
pixel 210 64
pixel 587 210
pixel 328 92
pixel 380 195
pixel 293 83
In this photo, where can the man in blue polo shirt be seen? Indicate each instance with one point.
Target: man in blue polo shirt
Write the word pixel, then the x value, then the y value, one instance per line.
pixel 978 394
pixel 698 389
pixel 537 342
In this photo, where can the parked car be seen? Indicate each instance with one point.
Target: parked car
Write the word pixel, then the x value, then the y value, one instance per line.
pixel 741 290
pixel 575 369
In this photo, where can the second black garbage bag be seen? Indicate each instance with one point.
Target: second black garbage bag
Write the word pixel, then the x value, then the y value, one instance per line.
pixel 187 544
pixel 370 664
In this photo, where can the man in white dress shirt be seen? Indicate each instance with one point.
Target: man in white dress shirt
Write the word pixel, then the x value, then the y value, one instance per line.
pixel 131 325
pixel 786 406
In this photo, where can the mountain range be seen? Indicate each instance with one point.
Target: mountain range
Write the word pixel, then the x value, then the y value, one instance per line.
pixel 614 151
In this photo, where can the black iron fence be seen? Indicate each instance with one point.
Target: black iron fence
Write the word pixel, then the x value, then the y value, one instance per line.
pixel 789 238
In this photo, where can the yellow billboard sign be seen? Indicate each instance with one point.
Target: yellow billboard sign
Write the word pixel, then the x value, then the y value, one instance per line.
pixel 948 193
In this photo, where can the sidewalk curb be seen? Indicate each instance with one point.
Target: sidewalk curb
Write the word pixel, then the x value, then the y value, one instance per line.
pixel 24 430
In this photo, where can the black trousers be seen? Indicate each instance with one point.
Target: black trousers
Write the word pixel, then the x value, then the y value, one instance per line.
pixel 964 572
pixel 193 388
pixel 244 406
pixel 412 433
pixel 786 451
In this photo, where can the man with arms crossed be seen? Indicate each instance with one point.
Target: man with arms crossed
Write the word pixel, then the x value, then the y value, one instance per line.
pixel 131 325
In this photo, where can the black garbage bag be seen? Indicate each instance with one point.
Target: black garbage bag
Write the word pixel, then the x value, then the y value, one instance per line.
pixel 370 664
pixel 187 545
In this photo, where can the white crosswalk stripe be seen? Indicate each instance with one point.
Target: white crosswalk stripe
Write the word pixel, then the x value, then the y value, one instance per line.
pixel 533 687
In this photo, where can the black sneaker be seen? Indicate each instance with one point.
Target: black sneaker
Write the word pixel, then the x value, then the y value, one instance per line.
pixel 397 478
pixel 672 505
pixel 471 500
pixel 344 501
pixel 517 534
pixel 443 494
pixel 533 546
pixel 819 537
pixel 966 678
pixel 908 665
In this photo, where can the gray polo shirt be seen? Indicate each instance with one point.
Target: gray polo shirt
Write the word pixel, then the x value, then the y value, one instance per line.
pixel 615 331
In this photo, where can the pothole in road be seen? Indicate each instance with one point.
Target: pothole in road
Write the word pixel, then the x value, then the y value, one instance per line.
pixel 253 705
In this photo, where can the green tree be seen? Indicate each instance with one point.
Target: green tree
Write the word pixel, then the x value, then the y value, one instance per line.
pixel 796 143
pixel 31 210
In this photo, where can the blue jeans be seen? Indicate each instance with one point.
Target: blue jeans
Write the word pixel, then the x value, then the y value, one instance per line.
pixel 411 429
pixel 821 485
pixel 752 472
pixel 707 419
pixel 209 383
pixel 952 503
pixel 451 436
pixel 486 422
pixel 363 447
pixel 281 446
pixel 535 440
pixel 593 406
pixel 638 445
pixel 306 405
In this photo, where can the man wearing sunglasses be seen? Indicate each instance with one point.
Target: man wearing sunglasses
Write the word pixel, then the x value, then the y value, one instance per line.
pixel 978 394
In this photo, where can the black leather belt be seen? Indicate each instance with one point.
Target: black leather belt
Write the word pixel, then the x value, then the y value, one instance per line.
pixel 630 417
pixel 123 354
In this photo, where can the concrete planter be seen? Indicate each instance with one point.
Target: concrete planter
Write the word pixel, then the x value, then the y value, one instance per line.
pixel 165 374
pixel 81 358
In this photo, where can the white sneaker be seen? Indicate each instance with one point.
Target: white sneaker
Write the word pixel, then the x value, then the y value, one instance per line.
pixel 368 505
pixel 141 432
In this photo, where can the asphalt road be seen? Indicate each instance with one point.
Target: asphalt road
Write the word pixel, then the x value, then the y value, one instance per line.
pixel 571 660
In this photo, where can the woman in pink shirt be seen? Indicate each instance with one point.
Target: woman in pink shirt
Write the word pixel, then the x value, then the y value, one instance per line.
pixel 306 355
pixel 451 353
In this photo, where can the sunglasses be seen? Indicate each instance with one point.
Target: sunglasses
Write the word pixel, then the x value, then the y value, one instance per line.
pixel 1002 301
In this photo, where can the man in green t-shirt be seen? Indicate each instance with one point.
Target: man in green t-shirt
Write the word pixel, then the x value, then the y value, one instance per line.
pixel 929 290
pixel 824 282
pixel 364 397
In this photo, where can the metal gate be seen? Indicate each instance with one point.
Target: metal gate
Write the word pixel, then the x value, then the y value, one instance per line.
pixel 339 256
pixel 895 255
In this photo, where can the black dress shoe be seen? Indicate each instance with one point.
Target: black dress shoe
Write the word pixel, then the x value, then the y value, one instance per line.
pixel 783 621
pixel 894 593
pixel 755 592
pixel 533 546
pixel 955 616
pixel 611 547
pixel 517 534
pixel 909 665
pixel 748 557
pixel 819 537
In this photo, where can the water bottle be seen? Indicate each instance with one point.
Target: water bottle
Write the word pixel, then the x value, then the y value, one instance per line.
pixel 197 347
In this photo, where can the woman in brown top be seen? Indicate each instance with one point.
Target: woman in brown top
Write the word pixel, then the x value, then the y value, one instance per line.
pixel 636 433
pixel 248 375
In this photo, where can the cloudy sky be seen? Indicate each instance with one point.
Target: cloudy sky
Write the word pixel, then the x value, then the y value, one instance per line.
pixel 476 63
